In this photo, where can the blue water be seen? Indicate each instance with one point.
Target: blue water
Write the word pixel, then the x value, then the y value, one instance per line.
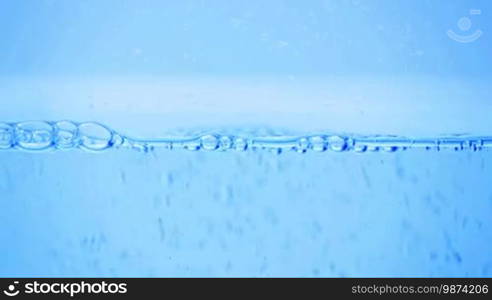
pixel 258 138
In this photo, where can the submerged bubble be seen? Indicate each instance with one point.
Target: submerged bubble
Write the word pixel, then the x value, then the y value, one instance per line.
pixel 302 145
pixel 390 148
pixel 66 134
pixel 209 142
pixel 94 136
pixel 143 147
pixel 359 147
pixel 192 145
pixel 225 143
pixel 34 135
pixel 240 144
pixel 337 143
pixel 6 136
pixel 318 143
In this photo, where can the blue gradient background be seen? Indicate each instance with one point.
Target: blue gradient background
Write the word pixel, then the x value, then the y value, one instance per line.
pixel 123 213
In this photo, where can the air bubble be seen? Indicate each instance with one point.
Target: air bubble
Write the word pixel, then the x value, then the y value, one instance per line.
pixel 225 143
pixel 6 136
pixel 34 135
pixel 240 144
pixel 143 147
pixel 302 145
pixel 359 147
pixel 209 142
pixel 337 143
pixel 390 148
pixel 318 143
pixel 192 145
pixel 66 134
pixel 94 136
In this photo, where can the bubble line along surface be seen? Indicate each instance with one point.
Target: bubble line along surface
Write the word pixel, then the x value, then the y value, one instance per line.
pixel 93 136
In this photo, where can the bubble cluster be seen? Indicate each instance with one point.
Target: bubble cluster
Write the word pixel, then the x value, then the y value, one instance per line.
pixel 42 135
pixel 92 136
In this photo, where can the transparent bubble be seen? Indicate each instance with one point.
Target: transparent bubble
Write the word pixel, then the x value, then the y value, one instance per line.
pixel 6 136
pixel 34 135
pixel 143 147
pixel 337 143
pixel 225 143
pixel 359 147
pixel 209 142
pixel 302 145
pixel 240 144
pixel 94 136
pixel 390 148
pixel 66 134
pixel 318 143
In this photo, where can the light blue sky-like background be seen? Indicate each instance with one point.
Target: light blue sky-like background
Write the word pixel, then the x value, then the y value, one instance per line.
pixel 223 38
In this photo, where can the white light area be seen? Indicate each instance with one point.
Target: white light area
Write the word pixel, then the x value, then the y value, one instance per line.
pixel 425 106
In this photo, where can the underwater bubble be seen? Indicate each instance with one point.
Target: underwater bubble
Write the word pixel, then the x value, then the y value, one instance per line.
pixel 318 143
pixel 117 140
pixel 66 134
pixel 337 143
pixel 34 135
pixel 225 143
pixel 94 136
pixel 390 148
pixel 143 147
pixel 475 145
pixel 6 136
pixel 240 144
pixel 302 145
pixel 192 145
pixel 359 147
pixel 209 142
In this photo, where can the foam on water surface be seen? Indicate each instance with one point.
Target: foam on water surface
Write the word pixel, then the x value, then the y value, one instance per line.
pixel 42 135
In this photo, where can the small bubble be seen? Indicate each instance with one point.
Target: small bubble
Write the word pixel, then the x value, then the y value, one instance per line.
pixel 318 143
pixel 240 144
pixel 302 145
pixel 192 145
pixel 118 140
pixel 6 136
pixel 360 148
pixel 94 136
pixel 142 147
pixel 66 134
pixel 390 148
pixel 34 135
pixel 337 143
pixel 225 143
pixel 209 142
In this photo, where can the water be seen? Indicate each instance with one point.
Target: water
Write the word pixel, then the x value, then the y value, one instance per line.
pixel 231 207
pixel 252 213
pixel 245 138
